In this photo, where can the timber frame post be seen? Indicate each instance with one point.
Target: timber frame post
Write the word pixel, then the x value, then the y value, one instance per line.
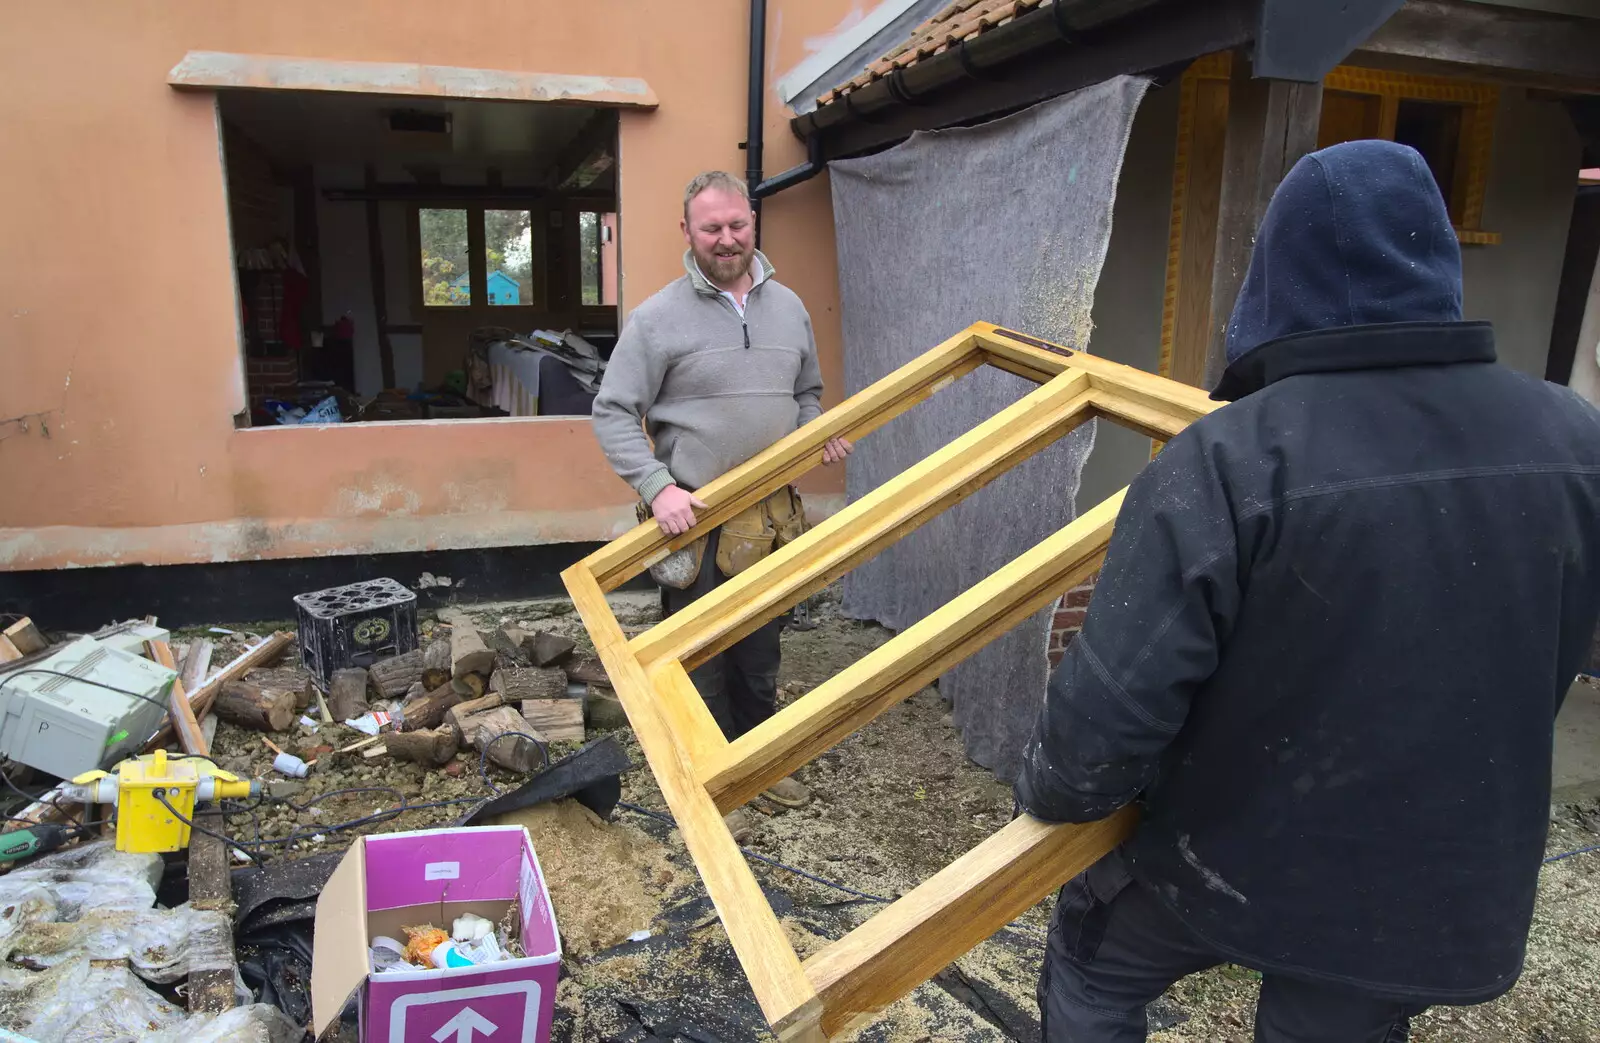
pixel 702 775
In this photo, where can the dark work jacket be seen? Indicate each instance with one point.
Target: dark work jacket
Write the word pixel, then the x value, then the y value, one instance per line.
pixel 1328 645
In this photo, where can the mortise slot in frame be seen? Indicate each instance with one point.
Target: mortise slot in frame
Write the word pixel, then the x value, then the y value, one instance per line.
pixel 701 774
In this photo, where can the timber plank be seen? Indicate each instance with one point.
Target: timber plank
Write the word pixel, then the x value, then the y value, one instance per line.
pixel 764 951
pixel 912 659
pixel 746 601
pixel 952 911
pixel 791 456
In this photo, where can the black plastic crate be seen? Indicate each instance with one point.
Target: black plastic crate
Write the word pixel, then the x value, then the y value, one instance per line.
pixel 354 625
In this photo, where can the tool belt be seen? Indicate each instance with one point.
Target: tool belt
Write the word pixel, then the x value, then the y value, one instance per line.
pixel 744 539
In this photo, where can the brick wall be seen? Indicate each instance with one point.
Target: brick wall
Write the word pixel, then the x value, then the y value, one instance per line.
pixel 1594 656
pixel 271 378
pixel 1070 610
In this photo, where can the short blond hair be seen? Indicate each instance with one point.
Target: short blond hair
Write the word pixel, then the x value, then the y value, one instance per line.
pixel 714 179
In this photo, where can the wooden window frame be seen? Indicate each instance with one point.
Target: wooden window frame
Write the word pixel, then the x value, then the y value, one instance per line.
pixel 702 775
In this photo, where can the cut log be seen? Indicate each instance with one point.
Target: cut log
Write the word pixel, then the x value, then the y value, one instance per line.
pixel 429 711
pixel 469 708
pixel 26 637
pixel 197 663
pixel 468 652
pixel 347 693
pixel 603 710
pixel 307 694
pixel 8 651
pixel 393 676
pixel 471 686
pixel 545 649
pixel 558 720
pixel 529 683
pixel 517 753
pixel 588 671
pixel 262 709
pixel 266 651
pixel 432 746
pixel 436 663
pixel 508 642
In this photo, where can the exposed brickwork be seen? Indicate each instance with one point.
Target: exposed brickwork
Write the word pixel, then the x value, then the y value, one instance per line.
pixel 1069 615
pixel 271 377
pixel 1594 656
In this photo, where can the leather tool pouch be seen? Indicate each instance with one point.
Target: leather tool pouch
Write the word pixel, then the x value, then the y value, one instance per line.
pixel 680 568
pixel 746 538
pixel 788 515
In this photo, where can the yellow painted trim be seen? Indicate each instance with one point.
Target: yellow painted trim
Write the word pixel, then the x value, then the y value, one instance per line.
pixel 1189 88
pixel 1475 238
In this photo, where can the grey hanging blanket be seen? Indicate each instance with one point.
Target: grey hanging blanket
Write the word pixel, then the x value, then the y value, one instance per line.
pixel 1006 222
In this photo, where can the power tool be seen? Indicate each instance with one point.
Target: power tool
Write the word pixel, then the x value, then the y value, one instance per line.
pixel 156 795
pixel 32 840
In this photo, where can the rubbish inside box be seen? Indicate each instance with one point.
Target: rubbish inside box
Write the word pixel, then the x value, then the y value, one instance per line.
pixel 471 940
pixel 418 893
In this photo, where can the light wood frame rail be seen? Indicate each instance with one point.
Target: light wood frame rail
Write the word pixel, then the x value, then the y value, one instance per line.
pixel 702 775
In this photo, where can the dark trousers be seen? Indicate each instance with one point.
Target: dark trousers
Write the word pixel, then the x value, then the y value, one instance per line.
pixel 740 685
pixel 1114 948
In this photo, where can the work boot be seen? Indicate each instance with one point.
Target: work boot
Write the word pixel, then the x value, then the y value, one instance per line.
pixel 788 793
pixel 740 824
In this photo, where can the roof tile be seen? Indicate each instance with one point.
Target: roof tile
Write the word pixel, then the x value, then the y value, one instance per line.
pixel 956 22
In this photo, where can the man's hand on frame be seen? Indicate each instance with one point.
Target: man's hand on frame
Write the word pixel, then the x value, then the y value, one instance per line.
pixel 836 449
pixel 674 510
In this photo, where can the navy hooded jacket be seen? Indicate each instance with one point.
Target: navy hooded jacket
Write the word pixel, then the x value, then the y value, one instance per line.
pixel 1338 616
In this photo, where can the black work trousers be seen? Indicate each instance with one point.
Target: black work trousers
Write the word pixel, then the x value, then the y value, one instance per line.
pixel 1115 947
pixel 739 685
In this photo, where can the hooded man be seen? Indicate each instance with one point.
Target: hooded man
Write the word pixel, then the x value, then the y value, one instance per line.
pixel 1334 627
pixel 715 367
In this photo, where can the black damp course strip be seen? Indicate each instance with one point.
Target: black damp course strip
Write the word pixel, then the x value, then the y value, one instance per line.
pixel 82 599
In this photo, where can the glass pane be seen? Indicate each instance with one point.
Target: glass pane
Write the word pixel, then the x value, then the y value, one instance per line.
pixel 445 279
pixel 589 257
pixel 1434 129
pixel 508 256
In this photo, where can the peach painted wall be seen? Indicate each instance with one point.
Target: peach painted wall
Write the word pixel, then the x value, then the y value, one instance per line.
pixel 117 311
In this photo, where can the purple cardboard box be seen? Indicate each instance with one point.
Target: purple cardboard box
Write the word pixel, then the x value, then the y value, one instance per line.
pixel 388 882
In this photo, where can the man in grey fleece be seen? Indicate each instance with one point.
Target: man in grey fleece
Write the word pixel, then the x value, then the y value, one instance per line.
pixel 717 366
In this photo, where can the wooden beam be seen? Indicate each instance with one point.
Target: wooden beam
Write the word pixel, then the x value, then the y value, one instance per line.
pixel 190 737
pixel 912 659
pixel 201 698
pixel 952 911
pixel 591 152
pixel 792 456
pixel 746 601
pixel 1530 48
pixel 753 929
pixel 211 888
pixel 1271 124
pixel 380 287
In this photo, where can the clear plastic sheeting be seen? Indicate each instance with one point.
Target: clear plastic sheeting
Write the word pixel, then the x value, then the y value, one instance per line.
pixel 79 930
pixel 82 1002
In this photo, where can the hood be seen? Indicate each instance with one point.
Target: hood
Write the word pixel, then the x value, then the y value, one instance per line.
pixel 702 285
pixel 1356 235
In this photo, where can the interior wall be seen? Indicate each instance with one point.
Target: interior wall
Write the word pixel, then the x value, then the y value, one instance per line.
pixel 1528 200
pixel 161 325
pixel 1127 300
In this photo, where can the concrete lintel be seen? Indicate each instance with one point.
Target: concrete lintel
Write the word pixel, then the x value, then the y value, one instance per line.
pixel 216 70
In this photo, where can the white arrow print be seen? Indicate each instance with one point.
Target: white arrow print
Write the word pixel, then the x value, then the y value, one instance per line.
pixel 463 1025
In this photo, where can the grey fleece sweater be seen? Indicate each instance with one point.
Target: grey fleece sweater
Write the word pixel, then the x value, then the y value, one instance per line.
pixel 713 389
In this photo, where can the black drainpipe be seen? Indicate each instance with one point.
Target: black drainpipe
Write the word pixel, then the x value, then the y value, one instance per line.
pixel 758 87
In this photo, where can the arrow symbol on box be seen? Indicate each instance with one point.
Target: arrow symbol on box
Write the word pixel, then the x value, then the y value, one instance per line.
pixel 466 1022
